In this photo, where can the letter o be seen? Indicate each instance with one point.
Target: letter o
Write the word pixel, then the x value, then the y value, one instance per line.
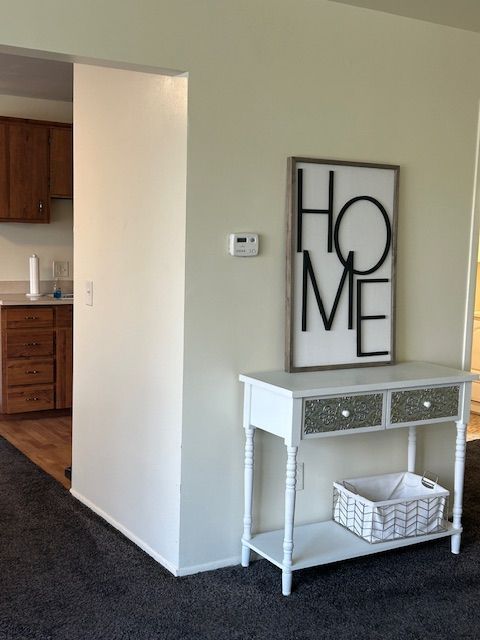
pixel 387 225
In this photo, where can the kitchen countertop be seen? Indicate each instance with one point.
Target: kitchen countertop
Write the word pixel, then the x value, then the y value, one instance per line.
pixel 15 299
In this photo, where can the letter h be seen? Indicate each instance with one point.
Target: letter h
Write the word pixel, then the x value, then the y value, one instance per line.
pixel 301 210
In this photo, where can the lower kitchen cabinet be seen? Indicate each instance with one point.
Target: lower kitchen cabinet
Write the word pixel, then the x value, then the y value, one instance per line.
pixel 36 355
pixel 63 357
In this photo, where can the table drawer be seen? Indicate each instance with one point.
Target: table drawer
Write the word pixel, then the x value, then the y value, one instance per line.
pixel 342 413
pixel 424 405
pixel 29 372
pixel 25 344
pixel 26 317
pixel 24 399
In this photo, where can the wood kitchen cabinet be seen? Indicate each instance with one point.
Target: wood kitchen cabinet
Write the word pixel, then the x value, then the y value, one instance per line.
pixel 35 165
pixel 61 162
pixel 36 358
pixel 28 173
pixel 3 170
pixel 63 356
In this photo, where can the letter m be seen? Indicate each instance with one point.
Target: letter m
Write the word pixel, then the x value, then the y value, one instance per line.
pixel 308 273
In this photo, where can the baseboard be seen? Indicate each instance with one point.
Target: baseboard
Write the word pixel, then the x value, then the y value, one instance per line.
pixel 176 571
pixel 127 533
pixel 35 415
pixel 209 566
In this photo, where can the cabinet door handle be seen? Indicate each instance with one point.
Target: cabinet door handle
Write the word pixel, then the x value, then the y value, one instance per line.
pixel 40 206
pixel 346 413
pixel 33 372
pixel 31 318
pixel 31 344
pixel 427 404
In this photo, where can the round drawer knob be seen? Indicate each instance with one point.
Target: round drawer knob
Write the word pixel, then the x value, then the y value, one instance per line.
pixel 427 404
pixel 346 413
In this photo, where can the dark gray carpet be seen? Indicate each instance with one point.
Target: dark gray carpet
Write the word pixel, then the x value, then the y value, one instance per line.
pixel 66 575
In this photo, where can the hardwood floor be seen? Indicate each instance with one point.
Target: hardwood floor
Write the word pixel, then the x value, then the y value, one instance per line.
pixel 46 441
pixel 473 432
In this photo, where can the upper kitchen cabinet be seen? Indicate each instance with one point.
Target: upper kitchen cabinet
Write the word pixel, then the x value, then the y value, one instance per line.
pixel 3 170
pixel 35 165
pixel 29 173
pixel 61 162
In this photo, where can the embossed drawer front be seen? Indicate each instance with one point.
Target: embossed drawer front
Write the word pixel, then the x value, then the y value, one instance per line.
pixel 342 413
pixel 29 372
pixel 23 399
pixel 431 403
pixel 28 344
pixel 26 317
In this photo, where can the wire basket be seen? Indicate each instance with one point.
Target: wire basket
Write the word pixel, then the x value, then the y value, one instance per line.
pixel 390 506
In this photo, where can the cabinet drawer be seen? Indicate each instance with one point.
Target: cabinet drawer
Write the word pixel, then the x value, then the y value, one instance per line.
pixel 26 317
pixel 342 413
pixel 25 344
pixel 424 405
pixel 29 372
pixel 30 399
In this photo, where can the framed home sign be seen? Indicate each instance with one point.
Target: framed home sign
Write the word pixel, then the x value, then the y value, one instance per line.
pixel 340 264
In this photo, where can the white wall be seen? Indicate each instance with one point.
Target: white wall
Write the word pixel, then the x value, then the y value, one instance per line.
pixel 267 80
pixel 130 164
pixel 36 108
pixel 52 241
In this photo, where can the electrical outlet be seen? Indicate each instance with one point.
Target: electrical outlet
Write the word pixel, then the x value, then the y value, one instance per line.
pixel 60 269
pixel 300 476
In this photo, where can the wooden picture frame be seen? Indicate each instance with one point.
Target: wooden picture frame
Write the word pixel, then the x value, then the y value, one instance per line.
pixel 341 251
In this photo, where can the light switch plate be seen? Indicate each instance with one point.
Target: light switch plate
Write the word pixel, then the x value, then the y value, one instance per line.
pixel 89 293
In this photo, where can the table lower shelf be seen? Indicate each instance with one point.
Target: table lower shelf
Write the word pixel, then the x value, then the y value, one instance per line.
pixel 326 542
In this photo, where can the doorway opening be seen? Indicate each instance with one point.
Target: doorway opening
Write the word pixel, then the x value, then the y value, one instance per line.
pixel 36 218
pixel 471 337
pixel 45 436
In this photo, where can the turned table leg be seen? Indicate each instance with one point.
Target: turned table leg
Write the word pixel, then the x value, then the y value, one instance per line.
pixel 248 497
pixel 290 483
pixel 460 448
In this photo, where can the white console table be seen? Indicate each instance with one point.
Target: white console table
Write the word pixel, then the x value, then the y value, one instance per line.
pixel 300 406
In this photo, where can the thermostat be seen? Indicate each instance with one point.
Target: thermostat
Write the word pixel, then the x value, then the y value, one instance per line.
pixel 243 244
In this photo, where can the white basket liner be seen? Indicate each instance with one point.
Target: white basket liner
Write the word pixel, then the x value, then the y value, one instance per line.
pixel 389 506
pixel 389 488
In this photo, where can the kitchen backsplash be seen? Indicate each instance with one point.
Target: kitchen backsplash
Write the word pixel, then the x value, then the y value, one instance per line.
pixel 23 286
pixel 50 242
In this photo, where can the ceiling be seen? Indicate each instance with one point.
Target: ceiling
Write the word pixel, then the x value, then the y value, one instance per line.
pixel 462 14
pixel 36 78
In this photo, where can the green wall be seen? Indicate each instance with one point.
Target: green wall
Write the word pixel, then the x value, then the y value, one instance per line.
pixel 269 79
